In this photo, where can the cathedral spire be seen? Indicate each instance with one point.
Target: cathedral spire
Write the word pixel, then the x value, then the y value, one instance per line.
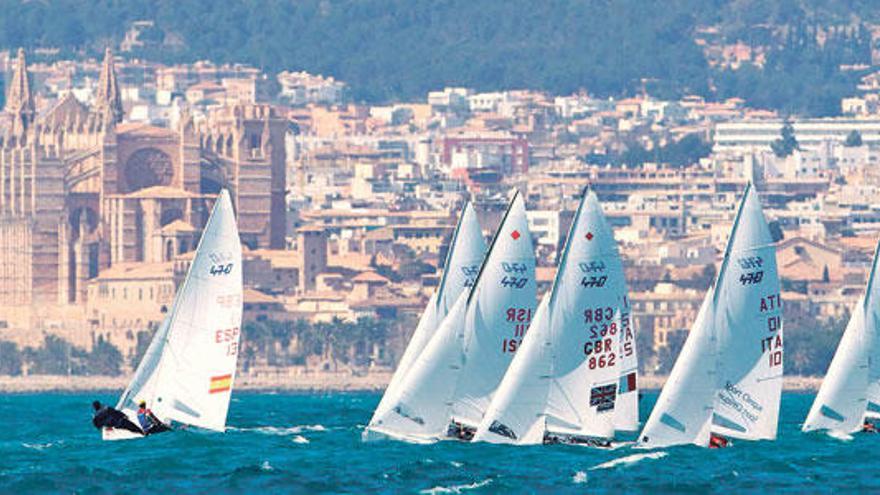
pixel 19 100
pixel 266 137
pixel 108 102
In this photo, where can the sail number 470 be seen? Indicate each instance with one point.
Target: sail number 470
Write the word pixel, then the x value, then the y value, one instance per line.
pixel 221 269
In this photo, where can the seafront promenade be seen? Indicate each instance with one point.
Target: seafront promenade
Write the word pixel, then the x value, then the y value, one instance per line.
pixel 293 379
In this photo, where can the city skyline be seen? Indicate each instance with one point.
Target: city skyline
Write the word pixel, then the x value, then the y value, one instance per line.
pixel 362 198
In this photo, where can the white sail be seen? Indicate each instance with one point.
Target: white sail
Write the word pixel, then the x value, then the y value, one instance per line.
pixel 188 370
pixel 500 308
pixel 748 326
pixel 566 373
pixel 516 413
pixel 423 409
pixel 728 378
pixel 626 407
pixel 466 252
pixel 849 391
pixel 872 321
pixel 840 404
pixel 683 411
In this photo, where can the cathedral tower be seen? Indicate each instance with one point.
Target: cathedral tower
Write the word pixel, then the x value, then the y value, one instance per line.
pixel 19 99
pixel 108 101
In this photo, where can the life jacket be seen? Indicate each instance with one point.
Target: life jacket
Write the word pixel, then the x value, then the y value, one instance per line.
pixel 717 442
pixel 143 415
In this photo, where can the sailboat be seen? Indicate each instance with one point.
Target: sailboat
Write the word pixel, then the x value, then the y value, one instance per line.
pixel 626 407
pixel 187 372
pixel 727 381
pixel 564 381
pixel 466 252
pixel 452 381
pixel 850 392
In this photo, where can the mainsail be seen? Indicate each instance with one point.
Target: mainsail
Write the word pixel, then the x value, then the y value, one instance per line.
pixel 849 390
pixel 565 377
pixel 626 408
pixel 466 251
pixel 500 309
pixel 728 378
pixel 423 409
pixel 188 370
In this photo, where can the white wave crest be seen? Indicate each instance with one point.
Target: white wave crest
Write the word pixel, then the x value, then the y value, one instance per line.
pixel 455 488
pixel 839 435
pixel 300 439
pixel 281 431
pixel 629 460
pixel 38 446
pixel 579 477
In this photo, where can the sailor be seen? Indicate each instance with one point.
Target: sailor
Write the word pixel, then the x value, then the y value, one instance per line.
pixel 149 422
pixel 108 417
pixel 550 439
pixel 718 442
pixel 869 427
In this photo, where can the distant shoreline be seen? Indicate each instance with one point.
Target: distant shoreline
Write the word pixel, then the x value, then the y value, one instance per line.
pixel 288 381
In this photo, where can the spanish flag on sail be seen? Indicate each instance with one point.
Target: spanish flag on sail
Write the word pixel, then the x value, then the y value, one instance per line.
pixel 220 383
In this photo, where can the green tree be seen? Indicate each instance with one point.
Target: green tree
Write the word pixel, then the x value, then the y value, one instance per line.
pixel 668 354
pixel 707 276
pixel 413 269
pixel 56 357
pixel 144 337
pixel 10 359
pixel 810 342
pixel 787 143
pixel 776 231
pixel 105 359
pixel 853 139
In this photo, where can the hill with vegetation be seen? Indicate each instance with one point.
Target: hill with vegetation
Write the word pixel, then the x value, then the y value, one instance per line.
pixel 399 49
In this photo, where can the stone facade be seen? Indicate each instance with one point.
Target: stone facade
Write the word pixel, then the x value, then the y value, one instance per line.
pixel 82 191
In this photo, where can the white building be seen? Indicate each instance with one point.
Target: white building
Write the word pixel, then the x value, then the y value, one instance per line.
pixel 810 133
pixel 545 226
pixel 450 99
pixel 489 102
pixel 302 88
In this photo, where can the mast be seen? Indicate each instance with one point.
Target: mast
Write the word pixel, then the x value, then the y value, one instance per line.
pixel 730 238
pixel 492 245
pixel 449 252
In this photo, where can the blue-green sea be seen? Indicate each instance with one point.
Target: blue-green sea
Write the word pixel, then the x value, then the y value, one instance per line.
pixel 311 443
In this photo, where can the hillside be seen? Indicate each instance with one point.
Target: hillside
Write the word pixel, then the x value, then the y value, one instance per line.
pixel 400 49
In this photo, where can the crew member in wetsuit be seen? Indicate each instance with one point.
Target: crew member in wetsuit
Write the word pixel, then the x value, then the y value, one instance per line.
pixel 718 442
pixel 149 422
pixel 108 417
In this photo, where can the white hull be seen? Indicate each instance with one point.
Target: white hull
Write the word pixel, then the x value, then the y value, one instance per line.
pixel 111 434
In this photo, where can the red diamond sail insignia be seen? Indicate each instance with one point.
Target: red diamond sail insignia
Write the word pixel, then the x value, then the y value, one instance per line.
pixel 589 236
pixel 515 234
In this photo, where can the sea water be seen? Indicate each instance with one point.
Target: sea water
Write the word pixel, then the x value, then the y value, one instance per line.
pixel 311 443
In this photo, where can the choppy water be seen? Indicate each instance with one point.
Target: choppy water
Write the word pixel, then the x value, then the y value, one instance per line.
pixel 304 443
